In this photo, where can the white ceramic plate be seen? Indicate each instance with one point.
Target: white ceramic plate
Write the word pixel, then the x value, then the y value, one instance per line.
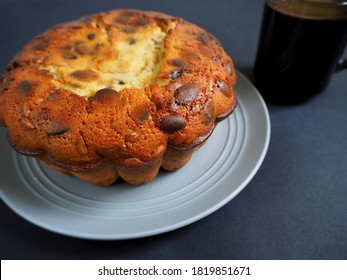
pixel 217 172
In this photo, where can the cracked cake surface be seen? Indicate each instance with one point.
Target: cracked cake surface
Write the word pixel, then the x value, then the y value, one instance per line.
pixel 117 94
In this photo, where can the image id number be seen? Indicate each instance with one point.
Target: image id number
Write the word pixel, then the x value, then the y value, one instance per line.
pixel 221 270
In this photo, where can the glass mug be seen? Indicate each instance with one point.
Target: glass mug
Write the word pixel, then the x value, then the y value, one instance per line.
pixel 300 46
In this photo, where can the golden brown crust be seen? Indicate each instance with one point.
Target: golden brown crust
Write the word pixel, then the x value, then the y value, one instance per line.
pixel 123 131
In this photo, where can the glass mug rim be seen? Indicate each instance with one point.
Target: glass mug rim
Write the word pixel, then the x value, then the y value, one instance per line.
pixel 313 9
pixel 316 2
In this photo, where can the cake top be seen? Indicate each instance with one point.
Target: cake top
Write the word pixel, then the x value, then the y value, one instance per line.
pixel 115 50
pixel 103 56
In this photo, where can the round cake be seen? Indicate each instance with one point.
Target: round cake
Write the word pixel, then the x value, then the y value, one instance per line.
pixel 117 95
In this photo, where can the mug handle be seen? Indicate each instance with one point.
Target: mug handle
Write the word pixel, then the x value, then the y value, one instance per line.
pixel 342 64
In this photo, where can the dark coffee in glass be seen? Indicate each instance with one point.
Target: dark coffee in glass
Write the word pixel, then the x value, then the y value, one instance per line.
pixel 299 49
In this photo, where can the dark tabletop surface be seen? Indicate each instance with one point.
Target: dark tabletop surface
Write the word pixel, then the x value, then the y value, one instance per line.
pixel 294 208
